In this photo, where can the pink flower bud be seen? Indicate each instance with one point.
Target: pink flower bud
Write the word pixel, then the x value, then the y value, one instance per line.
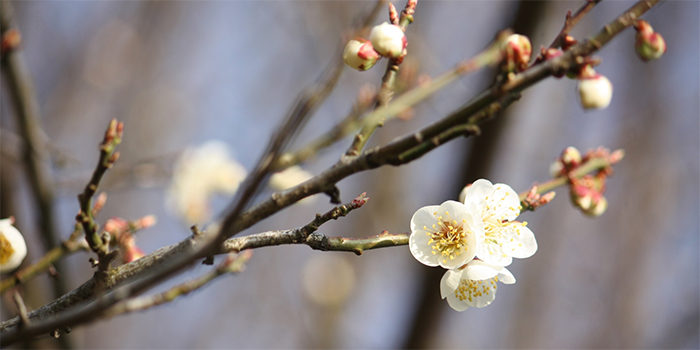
pixel 389 40
pixel 648 44
pixel 595 90
pixel 132 253
pixel 359 54
pixel 518 51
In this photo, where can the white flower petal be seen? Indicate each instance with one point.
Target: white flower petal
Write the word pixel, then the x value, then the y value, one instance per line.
pixel 449 282
pixel 521 243
pixel 478 270
pixel 504 203
pixel 424 217
pixel 494 254
pixel 14 248
pixel 421 250
pixel 485 293
pixel 456 303
pixel 505 276
pixel 478 192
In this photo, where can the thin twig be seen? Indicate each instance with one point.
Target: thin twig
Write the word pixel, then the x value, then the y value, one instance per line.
pixel 386 89
pixel 571 22
pixel 21 307
pixel 233 264
pixel 301 235
pixel 108 156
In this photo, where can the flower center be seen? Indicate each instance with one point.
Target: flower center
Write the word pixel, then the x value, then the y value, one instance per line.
pixel 5 249
pixel 470 289
pixel 447 237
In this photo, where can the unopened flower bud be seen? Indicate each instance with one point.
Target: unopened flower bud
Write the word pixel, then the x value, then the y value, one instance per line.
pixel 598 208
pixel 518 51
pixel 648 44
pixel 388 39
pixel 595 91
pixel 571 156
pixel 359 54
pixel 13 249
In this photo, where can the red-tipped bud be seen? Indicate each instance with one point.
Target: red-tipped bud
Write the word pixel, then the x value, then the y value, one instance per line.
pixel 132 253
pixel 359 54
pixel 648 44
pixel 389 40
pixel 393 14
pixel 145 222
pixel 517 52
pixel 116 226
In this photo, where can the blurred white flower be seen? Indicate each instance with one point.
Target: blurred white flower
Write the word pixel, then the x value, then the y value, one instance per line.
pixel 13 249
pixel 388 39
pixel 444 235
pixel 501 238
pixel 473 285
pixel 328 279
pixel 199 174
pixel 289 178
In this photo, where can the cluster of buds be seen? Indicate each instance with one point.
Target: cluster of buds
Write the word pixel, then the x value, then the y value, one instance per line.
pixel 648 44
pixel 587 194
pixel 517 52
pixel 386 39
pixel 594 89
pixel 586 190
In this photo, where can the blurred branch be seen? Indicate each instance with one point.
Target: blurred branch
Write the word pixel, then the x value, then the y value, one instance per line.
pixel 26 105
pixel 344 128
pixel 168 260
pixel 233 264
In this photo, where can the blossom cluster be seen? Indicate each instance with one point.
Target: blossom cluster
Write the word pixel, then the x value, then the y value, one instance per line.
pixel 474 239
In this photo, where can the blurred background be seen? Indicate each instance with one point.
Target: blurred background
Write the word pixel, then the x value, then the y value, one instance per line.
pixel 182 73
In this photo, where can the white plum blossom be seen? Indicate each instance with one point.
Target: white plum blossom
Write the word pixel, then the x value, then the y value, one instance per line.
pixel 13 248
pixel 289 178
pixel 473 285
pixel 445 235
pixel 199 174
pixel 388 39
pixel 502 238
